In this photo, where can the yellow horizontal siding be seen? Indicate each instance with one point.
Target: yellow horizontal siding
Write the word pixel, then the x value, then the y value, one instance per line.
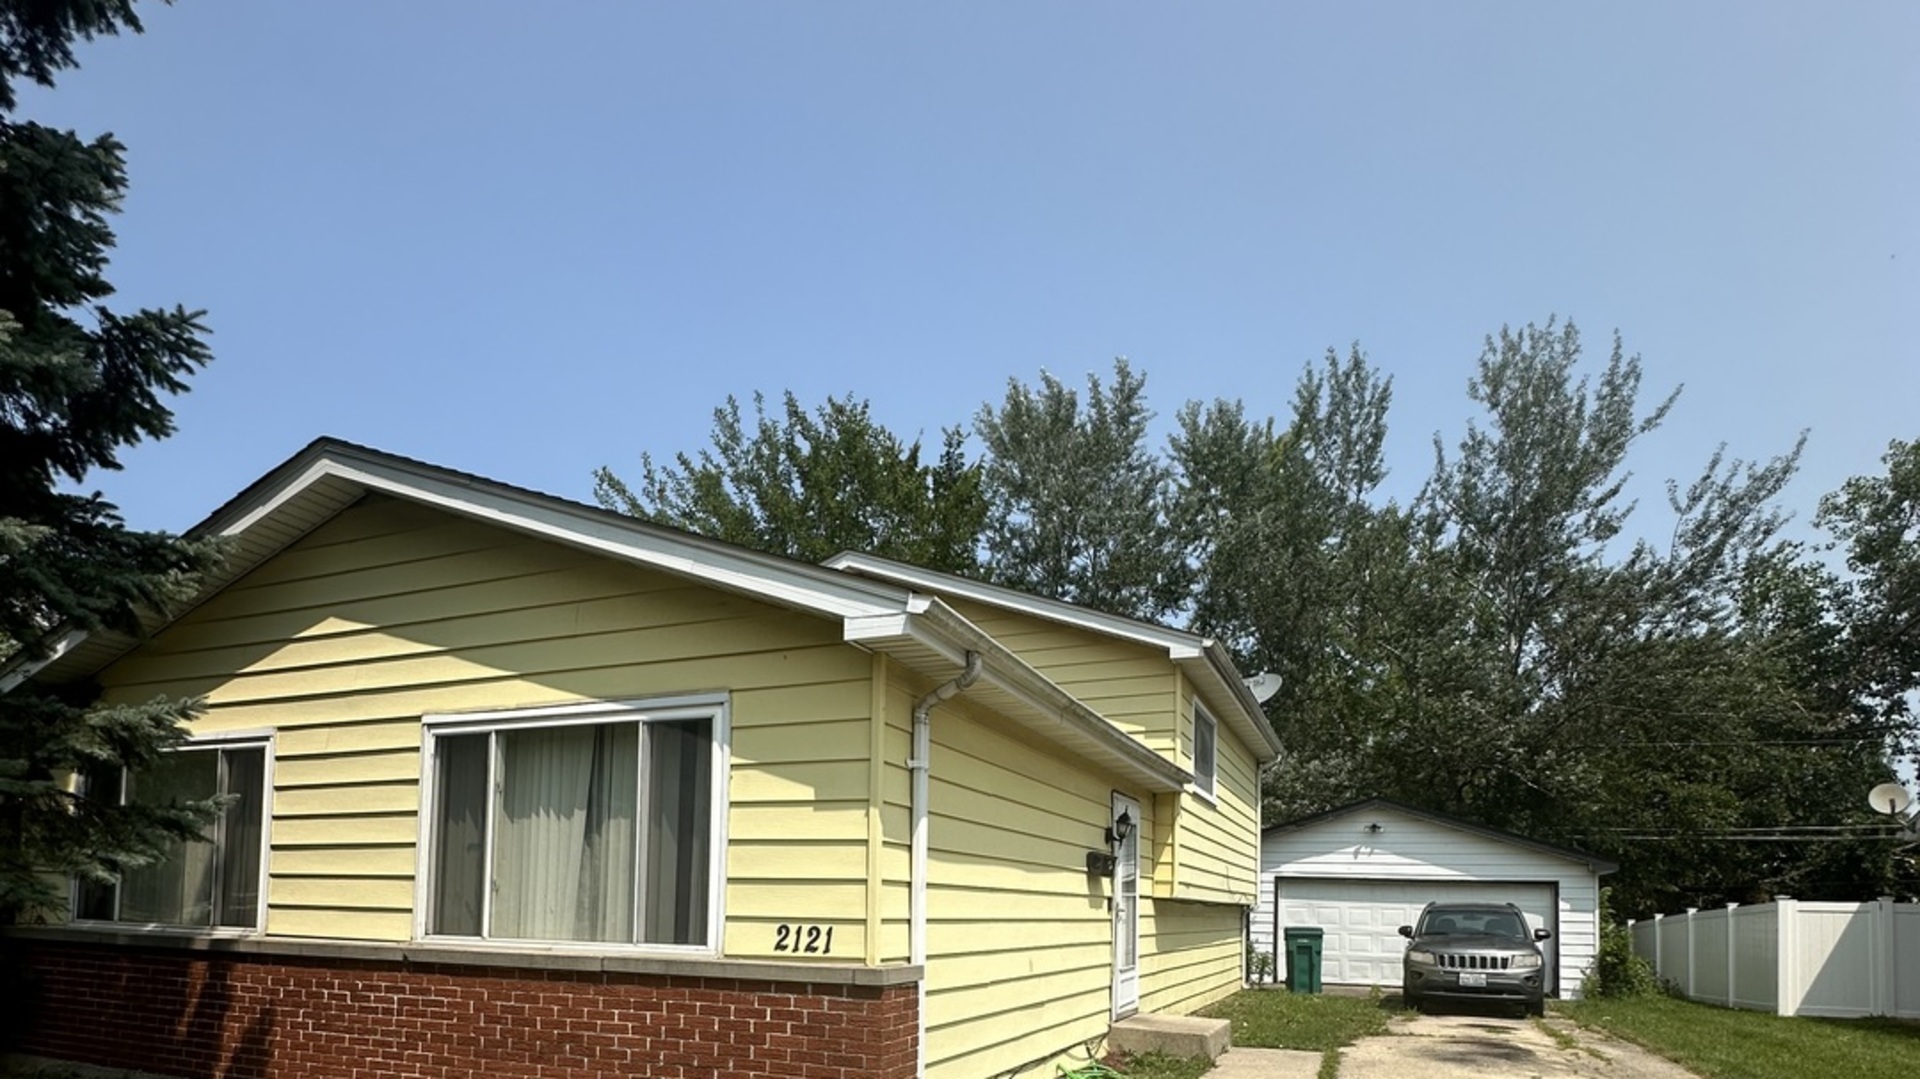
pixel 342 893
pixel 830 780
pixel 565 583
pixel 511 556
pixel 824 899
pixel 738 640
pixel 1070 990
pixel 816 820
pixel 340 801
pixel 996 1041
pixel 347 863
pixel 773 705
pixel 328 771
pixel 1130 684
pixel 770 671
pixel 1193 958
pixel 795 859
pixel 1032 932
pixel 402 533
pixel 392 611
pixel 1219 840
pixel 340 739
pixel 816 741
pixel 558 624
pixel 339 923
pixel 1016 926
pixel 358 830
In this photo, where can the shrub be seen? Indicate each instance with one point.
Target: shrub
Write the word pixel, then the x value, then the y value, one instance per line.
pixel 1617 971
pixel 1259 966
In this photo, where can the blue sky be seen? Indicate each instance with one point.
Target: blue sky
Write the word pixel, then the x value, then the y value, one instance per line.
pixel 527 240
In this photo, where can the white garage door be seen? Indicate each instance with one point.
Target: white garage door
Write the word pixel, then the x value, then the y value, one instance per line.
pixel 1362 919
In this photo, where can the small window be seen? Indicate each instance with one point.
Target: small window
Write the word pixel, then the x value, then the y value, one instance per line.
pixel 214 883
pixel 564 826
pixel 1205 735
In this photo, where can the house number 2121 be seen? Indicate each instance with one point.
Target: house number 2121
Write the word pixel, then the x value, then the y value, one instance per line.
pixel 809 939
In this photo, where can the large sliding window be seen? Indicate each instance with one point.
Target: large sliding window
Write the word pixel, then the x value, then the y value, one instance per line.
pixel 590 824
pixel 212 883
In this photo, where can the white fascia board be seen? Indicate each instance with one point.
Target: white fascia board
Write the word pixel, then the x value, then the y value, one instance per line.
pixel 1178 643
pixel 253 514
pixel 714 563
pixel 23 669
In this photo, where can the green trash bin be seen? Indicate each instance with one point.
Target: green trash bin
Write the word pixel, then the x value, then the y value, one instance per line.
pixel 1303 958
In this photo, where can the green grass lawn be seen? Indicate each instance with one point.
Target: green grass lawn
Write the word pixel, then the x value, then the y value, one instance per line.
pixel 1724 1044
pixel 1275 1019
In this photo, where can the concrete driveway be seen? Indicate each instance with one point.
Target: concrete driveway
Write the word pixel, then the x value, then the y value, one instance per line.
pixel 1489 1045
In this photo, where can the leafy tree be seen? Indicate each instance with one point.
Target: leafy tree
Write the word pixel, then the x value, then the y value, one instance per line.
pixel 1502 651
pixel 810 485
pixel 78 383
pixel 1080 509
pixel 1629 699
pixel 1876 519
pixel 1300 572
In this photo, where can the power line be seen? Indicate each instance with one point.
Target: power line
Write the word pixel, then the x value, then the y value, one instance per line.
pixel 1718 837
pixel 1870 829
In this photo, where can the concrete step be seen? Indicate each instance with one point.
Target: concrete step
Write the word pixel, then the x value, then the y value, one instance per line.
pixel 1174 1035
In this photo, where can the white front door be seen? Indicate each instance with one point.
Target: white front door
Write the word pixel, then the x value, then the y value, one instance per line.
pixel 1126 906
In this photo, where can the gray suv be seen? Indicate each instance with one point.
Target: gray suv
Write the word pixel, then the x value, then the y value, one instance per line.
pixel 1474 951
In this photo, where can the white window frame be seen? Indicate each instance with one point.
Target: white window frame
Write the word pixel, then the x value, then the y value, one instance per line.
pixel 248 739
pixel 1206 783
pixel 709 706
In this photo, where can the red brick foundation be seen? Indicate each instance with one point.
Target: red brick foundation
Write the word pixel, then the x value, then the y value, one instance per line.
pixel 270 1016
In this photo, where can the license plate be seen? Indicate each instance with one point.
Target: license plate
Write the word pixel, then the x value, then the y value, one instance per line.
pixel 1473 981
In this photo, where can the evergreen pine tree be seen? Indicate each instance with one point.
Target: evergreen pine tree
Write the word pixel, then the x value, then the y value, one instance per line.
pixel 78 384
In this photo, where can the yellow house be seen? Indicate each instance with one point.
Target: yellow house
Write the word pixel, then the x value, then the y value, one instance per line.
pixel 522 787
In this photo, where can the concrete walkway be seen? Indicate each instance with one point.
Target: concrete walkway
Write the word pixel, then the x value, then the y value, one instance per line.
pixel 1490 1047
pixel 1266 1064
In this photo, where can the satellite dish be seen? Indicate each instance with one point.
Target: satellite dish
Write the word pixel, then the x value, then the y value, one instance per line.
pixel 1890 798
pixel 1264 685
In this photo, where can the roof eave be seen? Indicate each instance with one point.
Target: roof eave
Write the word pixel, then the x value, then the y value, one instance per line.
pixel 1203 658
pixel 934 641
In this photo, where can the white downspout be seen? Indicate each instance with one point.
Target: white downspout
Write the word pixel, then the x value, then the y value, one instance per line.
pixel 917 764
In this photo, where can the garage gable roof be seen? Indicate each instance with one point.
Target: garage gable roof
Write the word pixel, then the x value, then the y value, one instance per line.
pixel 1365 805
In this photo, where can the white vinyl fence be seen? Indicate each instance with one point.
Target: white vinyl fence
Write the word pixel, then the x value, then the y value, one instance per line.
pixel 1792 958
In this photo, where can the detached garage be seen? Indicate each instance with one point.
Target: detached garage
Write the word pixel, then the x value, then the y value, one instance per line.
pixel 1362 871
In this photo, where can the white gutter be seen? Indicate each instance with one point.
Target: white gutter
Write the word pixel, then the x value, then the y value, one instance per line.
pixel 917 765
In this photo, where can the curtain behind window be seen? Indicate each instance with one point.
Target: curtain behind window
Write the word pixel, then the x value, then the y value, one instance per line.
pixel 563 856
pixel 679 800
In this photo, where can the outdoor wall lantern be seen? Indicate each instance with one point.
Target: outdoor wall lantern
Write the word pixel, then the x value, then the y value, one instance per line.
pixel 1102 863
pixel 1374 828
